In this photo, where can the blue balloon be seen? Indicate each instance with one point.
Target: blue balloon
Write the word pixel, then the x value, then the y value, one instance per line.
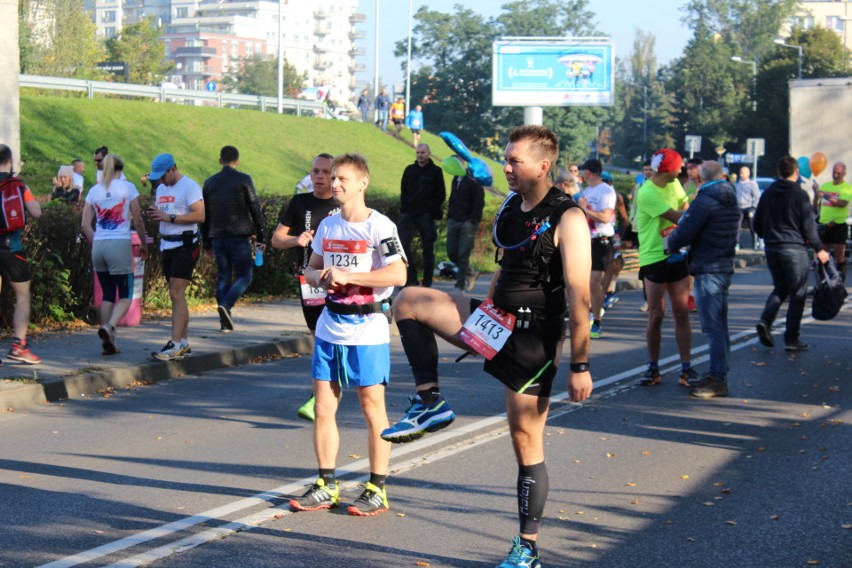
pixel 456 145
pixel 480 171
pixel 804 166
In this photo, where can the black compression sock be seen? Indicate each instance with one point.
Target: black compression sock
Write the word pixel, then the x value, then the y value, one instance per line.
pixel 327 476
pixel 430 395
pixel 378 480
pixel 533 486
pixel 421 349
pixel 529 544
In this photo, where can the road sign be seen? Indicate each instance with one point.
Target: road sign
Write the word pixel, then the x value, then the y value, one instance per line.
pixel 211 86
pixel 692 144
pixel 756 146
pixel 739 159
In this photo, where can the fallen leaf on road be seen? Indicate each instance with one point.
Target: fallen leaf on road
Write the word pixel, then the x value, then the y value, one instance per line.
pixel 775 517
pixel 631 485
pixel 710 504
pixel 684 476
pixel 354 456
pixel 758 363
pixel 646 453
pixel 610 455
pixel 732 523
pixel 636 502
pixel 847 527
pixel 400 514
pixel 813 562
pixel 421 563
pixel 691 539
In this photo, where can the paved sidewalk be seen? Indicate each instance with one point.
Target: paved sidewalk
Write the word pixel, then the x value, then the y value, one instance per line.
pixel 73 365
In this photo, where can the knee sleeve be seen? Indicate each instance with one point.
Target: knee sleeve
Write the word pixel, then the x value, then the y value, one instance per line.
pixel 421 349
pixel 533 486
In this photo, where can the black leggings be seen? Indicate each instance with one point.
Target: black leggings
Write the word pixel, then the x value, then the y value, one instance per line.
pixel 110 284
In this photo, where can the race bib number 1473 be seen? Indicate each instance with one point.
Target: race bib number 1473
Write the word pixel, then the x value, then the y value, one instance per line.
pixel 487 329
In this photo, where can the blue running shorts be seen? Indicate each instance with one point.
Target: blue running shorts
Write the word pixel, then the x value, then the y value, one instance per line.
pixel 351 365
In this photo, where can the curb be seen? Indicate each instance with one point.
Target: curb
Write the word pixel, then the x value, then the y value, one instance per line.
pixel 75 386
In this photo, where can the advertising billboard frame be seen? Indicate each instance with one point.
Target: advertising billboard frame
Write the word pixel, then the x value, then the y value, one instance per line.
pixel 553 71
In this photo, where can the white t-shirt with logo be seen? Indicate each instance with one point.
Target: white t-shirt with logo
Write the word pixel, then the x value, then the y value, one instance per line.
pixel 600 197
pixel 112 209
pixel 176 199
pixel 355 247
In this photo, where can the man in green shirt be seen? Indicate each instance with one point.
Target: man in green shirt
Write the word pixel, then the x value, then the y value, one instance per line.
pixel 659 204
pixel 835 198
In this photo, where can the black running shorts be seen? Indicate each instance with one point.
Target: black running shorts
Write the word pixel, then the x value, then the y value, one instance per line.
pixel 180 262
pixel 529 360
pixel 14 266
pixel 665 272
pixel 834 233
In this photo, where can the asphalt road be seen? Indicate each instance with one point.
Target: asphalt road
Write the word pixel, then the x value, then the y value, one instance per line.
pixel 197 471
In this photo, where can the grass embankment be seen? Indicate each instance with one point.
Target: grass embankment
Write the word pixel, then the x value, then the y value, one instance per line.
pixel 275 149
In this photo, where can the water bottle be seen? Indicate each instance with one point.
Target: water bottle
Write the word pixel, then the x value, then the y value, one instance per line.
pixel 258 255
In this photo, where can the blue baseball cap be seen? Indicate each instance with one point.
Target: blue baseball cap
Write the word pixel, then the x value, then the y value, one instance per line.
pixel 606 176
pixel 160 165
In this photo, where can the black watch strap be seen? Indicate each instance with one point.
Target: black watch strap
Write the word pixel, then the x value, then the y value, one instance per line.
pixel 579 367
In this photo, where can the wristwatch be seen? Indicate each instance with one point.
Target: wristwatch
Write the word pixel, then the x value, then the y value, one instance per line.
pixel 579 367
pixel 172 217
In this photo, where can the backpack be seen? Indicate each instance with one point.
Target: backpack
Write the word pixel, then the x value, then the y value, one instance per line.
pixel 829 292
pixel 12 212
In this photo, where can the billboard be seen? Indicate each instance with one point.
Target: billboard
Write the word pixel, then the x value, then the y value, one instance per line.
pixel 553 72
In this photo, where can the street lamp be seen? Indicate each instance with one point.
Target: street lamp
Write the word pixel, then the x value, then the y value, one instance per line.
pixel 780 42
pixel 753 64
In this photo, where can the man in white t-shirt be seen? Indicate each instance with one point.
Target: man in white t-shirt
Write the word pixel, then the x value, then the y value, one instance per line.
pixel 598 202
pixel 357 258
pixel 179 208
pixel 99 156
pixel 79 167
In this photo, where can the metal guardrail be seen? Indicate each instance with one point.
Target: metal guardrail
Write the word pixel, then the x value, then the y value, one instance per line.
pixel 165 94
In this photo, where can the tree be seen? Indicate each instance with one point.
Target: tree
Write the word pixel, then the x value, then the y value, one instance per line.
pixel 58 39
pixel 259 76
pixel 644 120
pixel 454 81
pixel 139 45
pixel 823 56
pixel 748 26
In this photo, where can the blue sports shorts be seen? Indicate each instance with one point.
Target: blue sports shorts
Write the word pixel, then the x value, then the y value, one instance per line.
pixel 351 365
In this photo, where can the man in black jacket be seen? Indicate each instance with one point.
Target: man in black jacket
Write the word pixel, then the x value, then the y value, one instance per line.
pixel 711 227
pixel 464 212
pixel 232 215
pixel 785 221
pixel 422 195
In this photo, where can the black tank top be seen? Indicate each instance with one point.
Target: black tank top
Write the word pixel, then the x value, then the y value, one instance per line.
pixel 531 276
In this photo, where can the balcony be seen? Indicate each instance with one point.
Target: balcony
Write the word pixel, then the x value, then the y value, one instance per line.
pixel 197 51
pixel 322 64
pixel 356 34
pixel 320 14
pixel 357 51
pixel 322 31
pixel 356 67
pixel 320 48
pixel 357 17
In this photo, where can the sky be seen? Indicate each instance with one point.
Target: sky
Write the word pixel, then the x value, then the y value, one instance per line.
pixel 616 18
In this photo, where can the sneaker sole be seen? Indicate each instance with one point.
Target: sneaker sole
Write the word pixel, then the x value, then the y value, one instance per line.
pixel 355 512
pixel 787 348
pixel 410 436
pixel 159 357
pixel 651 382
pixel 23 360
pixel 296 506
pixel 707 394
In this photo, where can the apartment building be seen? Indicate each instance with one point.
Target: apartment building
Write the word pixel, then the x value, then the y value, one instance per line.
pixel 834 15
pixel 207 38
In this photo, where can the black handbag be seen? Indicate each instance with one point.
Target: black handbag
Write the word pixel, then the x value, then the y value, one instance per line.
pixel 829 292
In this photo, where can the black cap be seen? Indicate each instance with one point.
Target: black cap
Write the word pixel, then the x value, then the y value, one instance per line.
pixel 592 166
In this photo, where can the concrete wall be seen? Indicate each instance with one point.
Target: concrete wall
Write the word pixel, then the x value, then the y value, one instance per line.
pixel 10 67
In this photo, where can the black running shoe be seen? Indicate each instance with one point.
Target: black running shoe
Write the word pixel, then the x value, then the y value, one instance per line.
pixel 764 332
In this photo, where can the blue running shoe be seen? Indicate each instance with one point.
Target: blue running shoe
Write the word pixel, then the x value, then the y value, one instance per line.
pixel 419 419
pixel 610 300
pixel 521 556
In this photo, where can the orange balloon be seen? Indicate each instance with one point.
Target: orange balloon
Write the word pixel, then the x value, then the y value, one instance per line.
pixel 818 163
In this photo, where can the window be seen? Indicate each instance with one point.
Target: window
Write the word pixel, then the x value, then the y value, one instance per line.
pixel 834 23
pixel 181 12
pixel 109 32
pixel 108 16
